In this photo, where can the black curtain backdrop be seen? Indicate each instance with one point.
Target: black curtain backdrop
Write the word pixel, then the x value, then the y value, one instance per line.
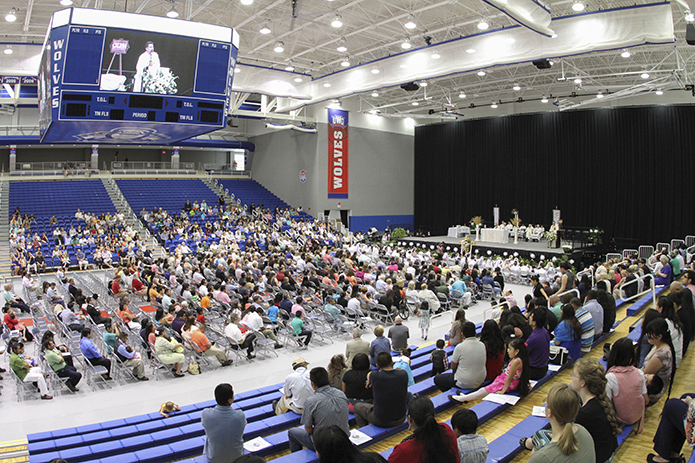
pixel 628 171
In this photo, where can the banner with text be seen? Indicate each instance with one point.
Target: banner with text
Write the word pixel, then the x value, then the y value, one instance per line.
pixel 337 153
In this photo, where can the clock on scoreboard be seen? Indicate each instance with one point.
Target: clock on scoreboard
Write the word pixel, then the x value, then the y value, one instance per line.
pixel 124 78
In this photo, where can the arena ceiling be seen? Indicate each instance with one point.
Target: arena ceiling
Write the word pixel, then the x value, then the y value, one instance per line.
pixel 375 29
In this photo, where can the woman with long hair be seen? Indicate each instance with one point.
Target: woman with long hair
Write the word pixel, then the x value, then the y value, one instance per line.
pixel 336 369
pixel 568 332
pixel 333 446
pixel 455 332
pixel 605 299
pixel 567 442
pixel 675 328
pixel 596 414
pixel 643 347
pixel 431 442
pixel 513 378
pixel 625 384
pixel 683 302
pixel 661 360
pixel 491 336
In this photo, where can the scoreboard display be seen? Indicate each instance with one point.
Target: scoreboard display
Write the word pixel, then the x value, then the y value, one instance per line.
pixel 123 78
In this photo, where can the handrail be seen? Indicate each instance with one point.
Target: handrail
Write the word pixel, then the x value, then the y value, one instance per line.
pixel 573 290
pixel 644 291
pixel 589 271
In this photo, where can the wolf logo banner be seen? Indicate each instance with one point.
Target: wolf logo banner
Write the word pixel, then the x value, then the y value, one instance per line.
pixel 337 153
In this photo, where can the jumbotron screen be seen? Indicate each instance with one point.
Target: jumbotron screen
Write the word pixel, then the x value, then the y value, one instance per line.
pixel 110 66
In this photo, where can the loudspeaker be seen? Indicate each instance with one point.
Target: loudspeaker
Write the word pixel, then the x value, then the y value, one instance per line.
pixel 410 87
pixel 690 34
pixel 542 64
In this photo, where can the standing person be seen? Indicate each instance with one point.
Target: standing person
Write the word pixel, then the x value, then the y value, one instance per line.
pixel 148 62
pixel 356 346
pixel 380 344
pixel 566 442
pixel 399 335
pixel 567 279
pixel 439 359
pixel 26 370
pixel 538 345
pixel 224 428
pixel 390 391
pixel 327 406
pixel 596 414
pixel 430 441
pixel 467 363
pixel 424 315
pixel 455 332
pixel 513 378
pixel 296 390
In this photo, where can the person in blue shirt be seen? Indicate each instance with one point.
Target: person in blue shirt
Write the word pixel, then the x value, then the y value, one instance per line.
pixel 568 332
pixel 380 344
pixel 224 428
pixel 91 353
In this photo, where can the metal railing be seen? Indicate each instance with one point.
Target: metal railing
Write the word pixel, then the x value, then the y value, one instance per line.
pixel 69 167
pixel 147 165
pixel 223 169
pixel 636 281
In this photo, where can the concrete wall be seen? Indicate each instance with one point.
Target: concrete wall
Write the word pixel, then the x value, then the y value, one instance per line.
pixel 381 171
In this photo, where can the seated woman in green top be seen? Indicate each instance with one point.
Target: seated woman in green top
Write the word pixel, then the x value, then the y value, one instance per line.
pixel 55 360
pixel 27 370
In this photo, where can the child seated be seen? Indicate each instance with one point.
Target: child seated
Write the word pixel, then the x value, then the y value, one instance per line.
pixel 473 447
pixel 167 408
pixel 403 363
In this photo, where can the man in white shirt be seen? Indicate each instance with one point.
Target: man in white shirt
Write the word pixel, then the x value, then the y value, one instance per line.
pixel 31 285
pixel 296 390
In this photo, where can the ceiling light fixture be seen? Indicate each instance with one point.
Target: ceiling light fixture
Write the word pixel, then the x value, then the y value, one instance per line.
pixel 577 81
pixel 237 70
pixel 375 94
pixel 481 73
pixel 410 24
pixel 327 85
pixel 423 83
pixel 345 62
pixel 11 16
pixel 462 95
pixel 8 50
pixel 516 87
pixel 578 6
pixel 289 67
pixel 375 70
pixel 265 29
pixel 246 2
pixel 435 55
pixel 644 75
pixel 172 13
pixel 415 103
pixel 279 47
pixel 342 48
pixel 483 25
pixel 471 50
pixel 626 54
pixel 406 44
pixel 337 21
pixel 66 2
pixel 544 99
pixel 659 92
pixel 600 95
pixel 689 17
pixel 493 105
pixel 298 79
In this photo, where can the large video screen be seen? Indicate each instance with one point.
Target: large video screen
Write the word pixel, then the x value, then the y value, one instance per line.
pixel 148 63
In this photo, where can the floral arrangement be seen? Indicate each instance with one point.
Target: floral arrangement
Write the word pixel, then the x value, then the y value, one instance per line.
pixel 516 221
pixel 595 236
pixel 161 81
pixel 551 235
pixel 477 220
pixel 466 244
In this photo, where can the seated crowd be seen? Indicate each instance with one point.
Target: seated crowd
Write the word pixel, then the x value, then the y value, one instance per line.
pixel 216 297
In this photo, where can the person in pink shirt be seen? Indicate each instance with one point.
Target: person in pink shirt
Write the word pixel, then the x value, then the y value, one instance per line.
pixel 223 297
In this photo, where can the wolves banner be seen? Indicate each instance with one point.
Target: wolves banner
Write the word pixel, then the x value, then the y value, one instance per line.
pixel 337 153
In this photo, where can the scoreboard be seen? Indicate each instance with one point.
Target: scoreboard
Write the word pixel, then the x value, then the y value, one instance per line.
pixel 123 78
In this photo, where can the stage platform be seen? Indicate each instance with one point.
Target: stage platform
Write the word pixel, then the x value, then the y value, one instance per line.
pixel 526 249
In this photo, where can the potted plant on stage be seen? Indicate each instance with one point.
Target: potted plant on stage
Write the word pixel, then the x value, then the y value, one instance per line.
pixel 516 221
pixel 477 220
